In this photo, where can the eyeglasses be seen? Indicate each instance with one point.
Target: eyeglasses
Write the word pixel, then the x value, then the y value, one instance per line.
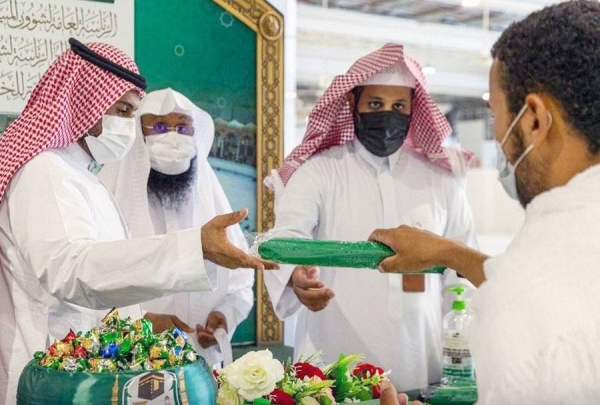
pixel 160 128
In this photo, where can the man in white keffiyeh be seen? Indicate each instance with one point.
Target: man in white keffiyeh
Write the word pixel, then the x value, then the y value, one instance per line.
pixel 176 189
pixel 372 155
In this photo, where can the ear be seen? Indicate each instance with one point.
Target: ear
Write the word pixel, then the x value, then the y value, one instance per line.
pixel 351 101
pixel 537 120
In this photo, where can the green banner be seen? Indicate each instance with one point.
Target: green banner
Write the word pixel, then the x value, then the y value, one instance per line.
pixel 202 51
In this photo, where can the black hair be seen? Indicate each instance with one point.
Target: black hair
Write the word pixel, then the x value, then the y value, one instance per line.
pixel 172 190
pixel 556 51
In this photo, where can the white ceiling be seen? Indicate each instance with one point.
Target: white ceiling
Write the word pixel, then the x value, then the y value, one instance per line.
pixel 439 33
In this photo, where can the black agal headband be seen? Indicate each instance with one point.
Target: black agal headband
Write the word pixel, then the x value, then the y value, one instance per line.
pixel 100 61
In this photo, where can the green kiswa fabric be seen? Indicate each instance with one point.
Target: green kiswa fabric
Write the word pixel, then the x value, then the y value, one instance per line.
pixel 309 252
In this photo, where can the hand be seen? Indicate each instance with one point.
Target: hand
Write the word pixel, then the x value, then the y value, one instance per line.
pixel 309 289
pixel 217 248
pixel 162 322
pixel 206 335
pixel 389 396
pixel 415 249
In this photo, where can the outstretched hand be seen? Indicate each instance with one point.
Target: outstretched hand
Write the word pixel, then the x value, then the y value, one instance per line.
pixel 217 248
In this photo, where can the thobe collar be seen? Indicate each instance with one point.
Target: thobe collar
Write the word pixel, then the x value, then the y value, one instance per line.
pixel 81 158
pixel 378 163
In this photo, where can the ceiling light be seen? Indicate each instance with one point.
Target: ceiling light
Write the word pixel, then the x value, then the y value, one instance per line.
pixel 428 70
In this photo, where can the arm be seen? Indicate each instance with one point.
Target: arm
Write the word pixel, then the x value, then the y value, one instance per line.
pixel 237 303
pixel 231 309
pixel 297 216
pixel 236 296
pixel 56 232
pixel 419 250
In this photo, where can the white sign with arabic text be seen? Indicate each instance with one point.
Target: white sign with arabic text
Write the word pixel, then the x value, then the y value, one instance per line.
pixel 33 33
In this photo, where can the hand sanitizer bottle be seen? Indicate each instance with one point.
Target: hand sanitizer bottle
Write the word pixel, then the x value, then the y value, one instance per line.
pixel 458 364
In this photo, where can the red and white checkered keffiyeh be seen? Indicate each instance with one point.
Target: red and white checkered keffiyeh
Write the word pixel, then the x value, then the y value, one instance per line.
pixel 331 124
pixel 70 98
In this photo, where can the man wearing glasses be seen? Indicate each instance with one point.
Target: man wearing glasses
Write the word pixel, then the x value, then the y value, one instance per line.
pixel 168 172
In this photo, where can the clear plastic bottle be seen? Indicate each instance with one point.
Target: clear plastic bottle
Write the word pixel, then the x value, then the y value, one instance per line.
pixel 458 364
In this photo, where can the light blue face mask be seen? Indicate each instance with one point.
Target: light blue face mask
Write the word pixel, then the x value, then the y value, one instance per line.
pixel 506 169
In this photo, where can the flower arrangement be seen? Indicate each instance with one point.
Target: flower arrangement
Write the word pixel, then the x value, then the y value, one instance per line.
pixel 257 378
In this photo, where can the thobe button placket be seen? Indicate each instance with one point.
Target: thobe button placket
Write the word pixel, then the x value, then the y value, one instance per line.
pixel 406 283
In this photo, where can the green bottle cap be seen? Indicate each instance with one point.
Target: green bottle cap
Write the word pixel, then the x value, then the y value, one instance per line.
pixel 458 304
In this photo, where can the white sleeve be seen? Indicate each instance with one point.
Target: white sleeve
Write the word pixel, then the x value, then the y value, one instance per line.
pixel 238 302
pixel 296 216
pixel 55 231
pixel 459 227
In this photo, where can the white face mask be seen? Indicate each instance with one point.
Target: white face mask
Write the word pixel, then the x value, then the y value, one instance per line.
pixel 116 139
pixel 506 169
pixel 171 153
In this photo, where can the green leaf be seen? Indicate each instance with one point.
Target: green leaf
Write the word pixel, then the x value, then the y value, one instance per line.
pixel 325 400
pixel 364 395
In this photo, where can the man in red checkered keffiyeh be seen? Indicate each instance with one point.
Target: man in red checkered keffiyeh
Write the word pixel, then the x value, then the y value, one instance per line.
pixel 65 256
pixel 372 157
pixel 331 122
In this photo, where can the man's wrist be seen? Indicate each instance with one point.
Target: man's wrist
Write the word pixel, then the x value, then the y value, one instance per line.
pixel 446 253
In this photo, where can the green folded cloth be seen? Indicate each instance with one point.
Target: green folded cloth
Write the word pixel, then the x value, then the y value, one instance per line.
pixel 322 253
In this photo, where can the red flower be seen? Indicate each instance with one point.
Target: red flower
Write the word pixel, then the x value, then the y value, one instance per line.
pixel 216 375
pixel 279 397
pixel 308 370
pixel 366 370
pixel 376 392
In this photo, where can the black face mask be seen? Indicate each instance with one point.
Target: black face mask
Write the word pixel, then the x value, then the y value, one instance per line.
pixel 382 132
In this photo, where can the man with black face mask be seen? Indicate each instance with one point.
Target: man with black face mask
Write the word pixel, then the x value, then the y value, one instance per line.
pixel 372 155
pixel 382 112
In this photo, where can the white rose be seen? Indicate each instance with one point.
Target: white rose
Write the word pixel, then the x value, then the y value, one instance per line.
pixel 228 396
pixel 309 401
pixel 254 375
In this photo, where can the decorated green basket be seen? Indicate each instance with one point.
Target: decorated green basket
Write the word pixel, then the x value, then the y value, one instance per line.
pixel 119 362
pixel 189 384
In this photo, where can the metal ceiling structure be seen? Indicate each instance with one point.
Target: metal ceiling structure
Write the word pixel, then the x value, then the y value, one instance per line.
pixel 454 39
pixel 495 15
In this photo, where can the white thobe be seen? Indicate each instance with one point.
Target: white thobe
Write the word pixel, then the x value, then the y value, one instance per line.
pixel 535 337
pixel 233 295
pixel 345 193
pixel 65 260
